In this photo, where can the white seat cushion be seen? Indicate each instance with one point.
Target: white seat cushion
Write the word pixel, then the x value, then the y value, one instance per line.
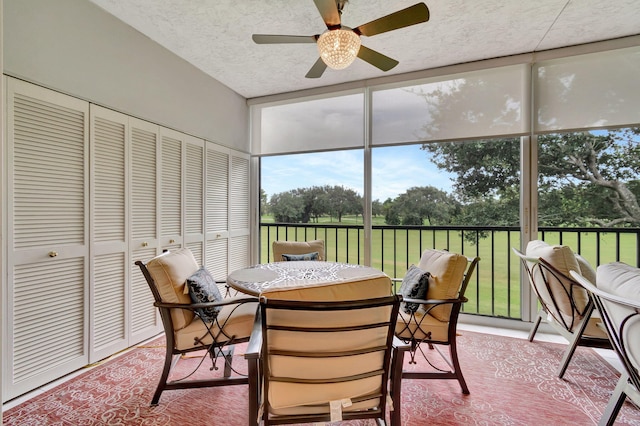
pixel 564 260
pixel 237 321
pixel 623 280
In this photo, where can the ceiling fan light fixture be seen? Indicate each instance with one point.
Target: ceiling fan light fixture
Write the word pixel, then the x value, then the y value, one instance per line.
pixel 338 48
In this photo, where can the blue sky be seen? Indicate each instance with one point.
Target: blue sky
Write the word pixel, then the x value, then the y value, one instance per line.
pixel 395 169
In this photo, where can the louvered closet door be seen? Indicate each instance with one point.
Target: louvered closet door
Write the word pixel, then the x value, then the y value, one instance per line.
pixel 109 254
pixel 46 327
pixel 171 203
pixel 239 211
pixel 194 197
pixel 217 211
pixel 144 320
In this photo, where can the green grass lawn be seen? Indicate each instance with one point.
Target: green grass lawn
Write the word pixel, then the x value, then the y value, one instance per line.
pixel 494 291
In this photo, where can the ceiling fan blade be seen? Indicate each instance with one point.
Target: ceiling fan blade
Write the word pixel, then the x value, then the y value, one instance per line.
pixel 317 69
pixel 275 39
pixel 329 11
pixel 403 18
pixel 376 59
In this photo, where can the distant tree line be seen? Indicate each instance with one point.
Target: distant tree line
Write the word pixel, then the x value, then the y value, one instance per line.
pixel 305 205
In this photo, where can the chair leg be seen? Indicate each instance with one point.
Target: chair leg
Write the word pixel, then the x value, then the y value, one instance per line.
pixel 536 324
pixel 227 353
pixel 453 351
pixel 615 402
pixel 573 343
pixel 566 359
pixel 168 363
pixel 254 391
pixel 396 386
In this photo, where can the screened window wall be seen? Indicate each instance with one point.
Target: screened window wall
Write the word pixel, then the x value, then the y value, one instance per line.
pixel 483 149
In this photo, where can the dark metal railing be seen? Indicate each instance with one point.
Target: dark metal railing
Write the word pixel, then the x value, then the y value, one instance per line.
pixel 496 289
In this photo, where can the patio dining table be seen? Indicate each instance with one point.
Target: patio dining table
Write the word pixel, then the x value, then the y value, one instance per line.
pixel 255 279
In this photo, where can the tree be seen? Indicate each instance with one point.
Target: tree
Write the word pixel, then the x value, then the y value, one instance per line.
pixel 314 202
pixel 376 208
pixel 391 215
pixel 601 165
pixel 428 203
pixel 484 170
pixel 341 201
pixel 607 162
pixel 584 178
pixel 264 204
pixel 287 207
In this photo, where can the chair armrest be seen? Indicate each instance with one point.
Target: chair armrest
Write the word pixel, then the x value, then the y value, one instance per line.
pixel 194 306
pixel 400 345
pixel 254 348
pixel 435 301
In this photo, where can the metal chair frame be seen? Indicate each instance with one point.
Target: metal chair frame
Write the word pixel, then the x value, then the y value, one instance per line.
pixel 629 382
pixel 221 346
pixel 391 374
pixel 414 342
pixel 579 319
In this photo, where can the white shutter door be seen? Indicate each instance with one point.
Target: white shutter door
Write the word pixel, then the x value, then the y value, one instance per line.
pixel 239 213
pixel 46 326
pixel 171 204
pixel 144 320
pixel 217 210
pixel 109 137
pixel 194 197
pixel 217 200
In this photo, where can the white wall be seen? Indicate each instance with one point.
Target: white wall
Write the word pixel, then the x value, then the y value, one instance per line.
pixel 77 48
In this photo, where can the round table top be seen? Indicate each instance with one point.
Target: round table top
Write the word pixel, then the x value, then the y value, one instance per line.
pixel 286 275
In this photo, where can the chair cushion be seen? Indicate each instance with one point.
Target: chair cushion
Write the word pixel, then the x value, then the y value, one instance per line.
pixel 354 289
pixel 421 326
pixel 564 260
pixel 586 270
pixel 320 409
pixel 203 288
pixel 325 358
pixel 236 320
pixel 447 272
pixel 297 247
pixel 296 257
pixel 170 271
pixel 295 398
pixel 623 280
pixel 414 286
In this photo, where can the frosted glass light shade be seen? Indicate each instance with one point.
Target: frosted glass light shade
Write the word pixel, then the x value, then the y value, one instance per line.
pixel 338 48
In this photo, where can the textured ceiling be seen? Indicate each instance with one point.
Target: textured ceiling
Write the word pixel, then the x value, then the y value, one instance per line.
pixel 215 35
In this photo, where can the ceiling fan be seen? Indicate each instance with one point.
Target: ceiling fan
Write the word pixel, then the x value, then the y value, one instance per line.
pixel 340 45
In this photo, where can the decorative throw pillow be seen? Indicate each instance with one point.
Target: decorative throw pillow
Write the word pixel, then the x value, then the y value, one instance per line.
pixel 306 256
pixel 414 286
pixel 202 289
